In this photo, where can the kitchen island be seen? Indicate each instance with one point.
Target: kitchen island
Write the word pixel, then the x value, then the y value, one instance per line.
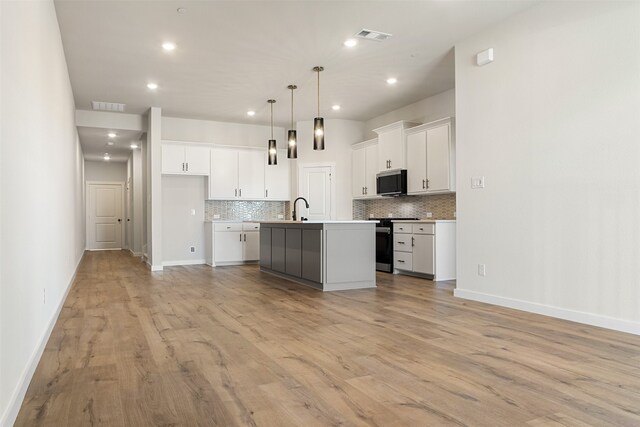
pixel 326 255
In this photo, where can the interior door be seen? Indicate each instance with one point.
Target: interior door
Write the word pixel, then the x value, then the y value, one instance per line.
pixel 438 158
pixel 251 164
pixel 223 181
pixel 315 186
pixel 417 163
pixel 104 216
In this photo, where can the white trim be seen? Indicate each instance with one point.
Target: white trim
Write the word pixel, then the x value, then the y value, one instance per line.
pixel 184 262
pixel 548 310
pixel 17 398
pixel 122 207
pixel 136 254
pixel 153 267
pixel 108 249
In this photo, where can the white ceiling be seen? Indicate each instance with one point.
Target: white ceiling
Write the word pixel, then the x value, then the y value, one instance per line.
pixel 232 56
pixel 94 143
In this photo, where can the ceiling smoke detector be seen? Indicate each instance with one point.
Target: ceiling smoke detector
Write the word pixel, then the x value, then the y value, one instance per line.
pixel 377 36
pixel 107 106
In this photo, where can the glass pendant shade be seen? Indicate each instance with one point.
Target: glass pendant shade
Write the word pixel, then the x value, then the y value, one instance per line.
pixel 273 152
pixel 292 147
pixel 318 133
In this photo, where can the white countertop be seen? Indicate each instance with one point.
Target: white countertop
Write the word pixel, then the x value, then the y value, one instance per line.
pixel 234 220
pixel 424 221
pixel 288 221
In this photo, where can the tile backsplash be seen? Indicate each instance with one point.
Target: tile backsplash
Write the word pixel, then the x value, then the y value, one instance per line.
pixel 442 206
pixel 245 210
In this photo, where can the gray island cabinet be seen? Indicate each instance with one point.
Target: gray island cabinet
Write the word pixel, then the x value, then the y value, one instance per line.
pixel 326 255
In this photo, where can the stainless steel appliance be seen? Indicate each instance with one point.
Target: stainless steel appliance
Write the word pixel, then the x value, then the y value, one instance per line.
pixel 384 242
pixel 392 182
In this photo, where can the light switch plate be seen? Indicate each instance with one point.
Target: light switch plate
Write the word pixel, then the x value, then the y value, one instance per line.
pixel 280 216
pixel 429 215
pixel 477 182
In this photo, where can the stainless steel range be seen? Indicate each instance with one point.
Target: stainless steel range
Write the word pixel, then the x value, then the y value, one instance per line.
pixel 384 242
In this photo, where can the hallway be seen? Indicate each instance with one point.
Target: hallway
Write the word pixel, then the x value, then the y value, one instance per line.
pixel 232 346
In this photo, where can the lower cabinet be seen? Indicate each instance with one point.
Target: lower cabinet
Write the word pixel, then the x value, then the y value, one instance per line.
pixel 230 243
pixel 425 248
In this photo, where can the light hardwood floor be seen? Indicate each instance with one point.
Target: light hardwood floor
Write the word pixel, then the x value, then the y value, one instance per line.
pixel 233 346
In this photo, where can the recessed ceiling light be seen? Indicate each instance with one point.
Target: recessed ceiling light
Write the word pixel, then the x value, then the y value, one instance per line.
pixel 392 80
pixel 168 46
pixel 112 135
pixel 110 143
pixel 152 86
pixel 106 156
pixel 335 107
pixel 251 113
pixel 350 42
pixel 181 10
pixel 134 145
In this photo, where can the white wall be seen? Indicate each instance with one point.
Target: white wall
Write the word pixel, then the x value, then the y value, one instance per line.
pixel 180 228
pixel 42 192
pixel 105 171
pixel 339 136
pixel 176 129
pixel 554 126
pixel 427 110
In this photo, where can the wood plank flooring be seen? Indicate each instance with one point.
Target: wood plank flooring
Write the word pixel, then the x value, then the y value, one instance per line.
pixel 197 346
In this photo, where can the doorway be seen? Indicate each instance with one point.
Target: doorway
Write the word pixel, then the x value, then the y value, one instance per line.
pixel 316 183
pixel 104 215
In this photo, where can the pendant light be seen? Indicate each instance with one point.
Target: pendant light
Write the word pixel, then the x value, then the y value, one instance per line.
pixel 292 147
pixel 318 122
pixel 273 151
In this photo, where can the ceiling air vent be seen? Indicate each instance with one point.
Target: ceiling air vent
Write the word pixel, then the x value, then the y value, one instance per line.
pixel 107 106
pixel 372 35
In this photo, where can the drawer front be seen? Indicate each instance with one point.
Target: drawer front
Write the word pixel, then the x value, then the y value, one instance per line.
pixel 228 226
pixel 402 242
pixel 250 226
pixel 424 228
pixel 403 261
pixel 401 228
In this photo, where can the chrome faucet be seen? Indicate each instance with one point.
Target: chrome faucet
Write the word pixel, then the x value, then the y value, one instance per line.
pixel 294 208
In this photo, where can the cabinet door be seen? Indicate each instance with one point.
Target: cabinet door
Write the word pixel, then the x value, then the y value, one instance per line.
pixel 251 246
pixel 265 247
pixel 391 149
pixel 276 178
pixel 312 255
pixel 277 249
pixel 417 163
pixel 228 246
pixel 251 165
pixel 438 158
pixel 423 253
pixel 197 160
pixel 358 170
pixel 223 181
pixel 293 255
pixel 385 146
pixel 172 159
pixel 371 169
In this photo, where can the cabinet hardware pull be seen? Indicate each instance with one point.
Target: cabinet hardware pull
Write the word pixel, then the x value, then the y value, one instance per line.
pixel 266 193
pixel 245 237
pixel 240 192
pixel 412 241
pixel 366 190
pixel 187 166
pixel 183 167
pixel 389 164
pixel 424 183
pixel 236 193
pixel 400 243
pixel 241 237
pixel 427 183
pixel 401 260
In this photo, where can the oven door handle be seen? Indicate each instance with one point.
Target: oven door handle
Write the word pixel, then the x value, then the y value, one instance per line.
pixel 383 230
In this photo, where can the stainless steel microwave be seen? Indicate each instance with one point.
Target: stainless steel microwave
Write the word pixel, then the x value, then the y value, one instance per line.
pixel 392 182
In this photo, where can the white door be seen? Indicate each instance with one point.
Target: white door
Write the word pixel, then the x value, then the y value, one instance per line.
pixel 438 158
pixel 316 186
pixel 228 246
pixel 173 158
pixel 251 246
pixel 417 162
pixel 223 181
pixel 423 253
pixel 371 169
pixel 276 178
pixel 104 216
pixel 197 160
pixel 251 164
pixel 358 170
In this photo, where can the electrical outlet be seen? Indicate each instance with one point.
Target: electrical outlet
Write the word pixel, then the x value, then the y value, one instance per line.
pixel 482 271
pixel 280 216
pixel 216 216
pixel 390 215
pixel 429 215
pixel 192 249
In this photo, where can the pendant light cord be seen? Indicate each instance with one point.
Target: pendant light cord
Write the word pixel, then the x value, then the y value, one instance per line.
pixel 271 120
pixel 291 108
pixel 318 93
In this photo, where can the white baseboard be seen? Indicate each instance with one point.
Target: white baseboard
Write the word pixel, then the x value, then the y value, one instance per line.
pixel 15 402
pixel 184 262
pixel 547 310
pixel 135 253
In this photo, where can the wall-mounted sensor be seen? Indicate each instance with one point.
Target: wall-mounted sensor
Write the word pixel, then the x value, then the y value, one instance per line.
pixel 484 57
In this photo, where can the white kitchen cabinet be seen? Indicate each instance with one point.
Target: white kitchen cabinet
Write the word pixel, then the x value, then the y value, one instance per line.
pixel 182 159
pixel 431 158
pixel 231 243
pixel 364 163
pixel 276 178
pixel 425 249
pixel 391 146
pixel 237 174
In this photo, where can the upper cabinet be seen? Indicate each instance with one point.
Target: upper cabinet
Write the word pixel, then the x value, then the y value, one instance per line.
pixel 276 178
pixel 182 159
pixel 364 160
pixel 391 154
pixel 431 158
